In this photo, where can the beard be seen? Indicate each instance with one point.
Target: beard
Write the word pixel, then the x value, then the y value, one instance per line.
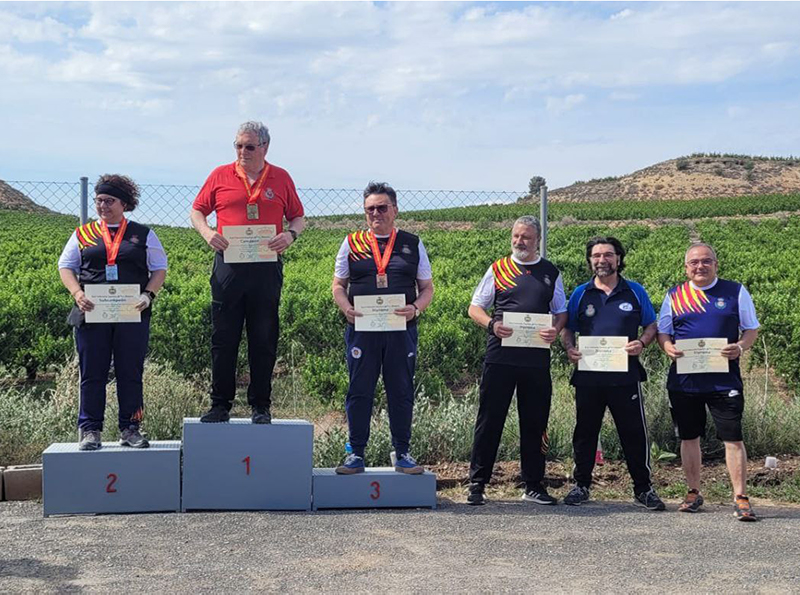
pixel 524 255
pixel 605 271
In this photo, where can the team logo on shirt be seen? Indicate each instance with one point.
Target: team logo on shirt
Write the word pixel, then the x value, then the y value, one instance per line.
pixel 356 353
pixel 134 239
pixel 720 303
pixel 547 280
pixel 406 249
pixel 590 311
pixel 626 307
pixel 269 194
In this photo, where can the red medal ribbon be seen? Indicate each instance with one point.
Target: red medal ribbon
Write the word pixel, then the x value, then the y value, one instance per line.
pixel 112 247
pixel 381 260
pixel 253 191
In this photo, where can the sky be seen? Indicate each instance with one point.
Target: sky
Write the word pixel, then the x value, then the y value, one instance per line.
pixel 433 95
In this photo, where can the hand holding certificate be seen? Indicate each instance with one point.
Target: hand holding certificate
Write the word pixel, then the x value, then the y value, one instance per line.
pixel 526 328
pixel 249 243
pixel 377 312
pixel 603 354
pixel 113 303
pixel 701 356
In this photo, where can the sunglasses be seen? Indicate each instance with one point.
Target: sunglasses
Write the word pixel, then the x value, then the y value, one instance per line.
pixel 104 201
pixel 249 148
pixel 377 209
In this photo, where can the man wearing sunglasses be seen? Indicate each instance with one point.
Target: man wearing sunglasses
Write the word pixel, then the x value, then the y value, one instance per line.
pixel 392 264
pixel 698 311
pixel 249 191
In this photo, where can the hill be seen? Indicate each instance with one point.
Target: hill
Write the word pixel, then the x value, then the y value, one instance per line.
pixel 692 177
pixel 14 200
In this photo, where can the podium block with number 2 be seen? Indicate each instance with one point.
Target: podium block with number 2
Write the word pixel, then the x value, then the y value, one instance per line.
pixel 244 466
pixel 114 479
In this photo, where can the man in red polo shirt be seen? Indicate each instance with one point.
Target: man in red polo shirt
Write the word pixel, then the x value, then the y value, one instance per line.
pixel 249 191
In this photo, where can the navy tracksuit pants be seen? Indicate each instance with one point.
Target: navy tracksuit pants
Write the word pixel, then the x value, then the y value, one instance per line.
pixel 368 354
pixel 97 343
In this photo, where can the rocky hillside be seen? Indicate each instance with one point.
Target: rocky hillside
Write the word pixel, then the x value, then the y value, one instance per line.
pixel 13 199
pixel 695 176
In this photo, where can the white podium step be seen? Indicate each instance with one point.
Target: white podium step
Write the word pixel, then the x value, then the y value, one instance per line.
pixel 377 487
pixel 114 479
pixel 244 466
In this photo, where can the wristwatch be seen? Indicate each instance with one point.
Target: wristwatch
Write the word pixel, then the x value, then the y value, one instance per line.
pixel 150 294
pixel 293 233
pixel 417 311
pixel 490 326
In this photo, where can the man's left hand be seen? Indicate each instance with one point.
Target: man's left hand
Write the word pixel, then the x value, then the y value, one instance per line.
pixel 407 312
pixel 280 242
pixel 634 347
pixel 548 335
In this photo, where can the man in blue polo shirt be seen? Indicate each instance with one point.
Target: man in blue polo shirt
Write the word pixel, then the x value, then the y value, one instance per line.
pixel 706 307
pixel 610 306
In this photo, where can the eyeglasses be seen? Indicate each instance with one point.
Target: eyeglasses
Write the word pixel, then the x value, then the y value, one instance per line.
pixel 104 201
pixel 706 262
pixel 249 148
pixel 377 209
pixel 608 255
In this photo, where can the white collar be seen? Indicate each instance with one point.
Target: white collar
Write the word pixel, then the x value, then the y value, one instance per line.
pixel 709 286
pixel 518 261
pixel 383 237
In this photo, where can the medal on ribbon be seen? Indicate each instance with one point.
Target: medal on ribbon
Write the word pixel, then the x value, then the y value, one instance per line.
pixel 382 260
pixel 112 248
pixel 252 191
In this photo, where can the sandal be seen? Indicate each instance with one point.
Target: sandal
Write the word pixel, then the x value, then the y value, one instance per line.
pixel 742 509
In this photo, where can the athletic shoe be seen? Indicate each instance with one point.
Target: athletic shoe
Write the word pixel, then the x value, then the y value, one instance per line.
pixel 133 437
pixel 406 464
pixel 261 415
pixel 692 502
pixel 577 496
pixel 352 464
pixel 90 440
pixel 215 415
pixel 538 493
pixel 649 500
pixel 476 496
pixel 742 509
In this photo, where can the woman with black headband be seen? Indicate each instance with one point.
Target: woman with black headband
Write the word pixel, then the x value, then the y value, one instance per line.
pixel 118 252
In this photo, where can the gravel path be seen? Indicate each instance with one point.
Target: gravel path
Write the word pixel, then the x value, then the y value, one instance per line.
pixel 504 546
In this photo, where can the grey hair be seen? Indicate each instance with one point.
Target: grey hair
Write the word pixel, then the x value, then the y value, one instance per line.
pixel 699 245
pixel 530 221
pixel 257 128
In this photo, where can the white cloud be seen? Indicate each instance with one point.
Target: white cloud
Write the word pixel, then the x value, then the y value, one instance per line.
pixel 559 105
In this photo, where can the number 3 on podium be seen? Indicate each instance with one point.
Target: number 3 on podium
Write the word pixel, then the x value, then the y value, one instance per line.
pixel 376 490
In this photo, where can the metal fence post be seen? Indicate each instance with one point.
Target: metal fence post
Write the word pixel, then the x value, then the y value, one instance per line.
pixel 543 221
pixel 84 199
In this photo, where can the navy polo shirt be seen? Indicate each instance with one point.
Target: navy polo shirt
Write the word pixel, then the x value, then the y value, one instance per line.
pixel 620 313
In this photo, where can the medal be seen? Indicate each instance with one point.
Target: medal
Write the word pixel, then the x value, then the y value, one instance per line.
pixel 252 191
pixel 381 260
pixel 112 248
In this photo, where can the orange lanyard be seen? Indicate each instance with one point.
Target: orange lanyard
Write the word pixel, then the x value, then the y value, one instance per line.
pixel 382 260
pixel 112 247
pixel 255 190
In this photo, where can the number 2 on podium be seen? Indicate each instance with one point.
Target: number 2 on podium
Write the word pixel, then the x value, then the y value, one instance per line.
pixel 246 462
pixel 112 479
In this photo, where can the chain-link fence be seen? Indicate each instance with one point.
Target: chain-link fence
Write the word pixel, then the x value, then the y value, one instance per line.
pixel 170 204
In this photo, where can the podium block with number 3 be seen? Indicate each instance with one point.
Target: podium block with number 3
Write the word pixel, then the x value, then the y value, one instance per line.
pixel 377 487
pixel 244 466
pixel 114 479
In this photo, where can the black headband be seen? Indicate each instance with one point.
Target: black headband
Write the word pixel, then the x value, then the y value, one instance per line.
pixel 112 190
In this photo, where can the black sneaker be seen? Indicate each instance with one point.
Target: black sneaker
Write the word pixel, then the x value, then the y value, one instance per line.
pixel 89 440
pixel 649 500
pixel 577 496
pixel 538 494
pixel 215 415
pixel 476 496
pixel 261 415
pixel 132 437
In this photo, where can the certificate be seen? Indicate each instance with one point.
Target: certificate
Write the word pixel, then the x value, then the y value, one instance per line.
pixel 701 356
pixel 248 243
pixel 113 303
pixel 603 354
pixel 526 329
pixel 378 312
